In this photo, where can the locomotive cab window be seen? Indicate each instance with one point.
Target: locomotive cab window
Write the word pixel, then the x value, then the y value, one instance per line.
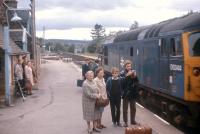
pixel 164 49
pixel 105 55
pixel 176 47
pixel 194 42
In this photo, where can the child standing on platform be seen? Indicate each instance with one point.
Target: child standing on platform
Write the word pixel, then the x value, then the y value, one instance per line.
pixel 114 91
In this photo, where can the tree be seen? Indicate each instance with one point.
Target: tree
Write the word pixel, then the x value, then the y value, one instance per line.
pixel 92 48
pixel 71 48
pixel 98 32
pixel 48 46
pixel 58 47
pixel 134 25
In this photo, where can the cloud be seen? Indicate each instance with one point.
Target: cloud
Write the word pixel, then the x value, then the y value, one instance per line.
pixel 75 14
pixel 185 5
pixel 74 33
pixel 60 18
pixel 68 19
pixel 81 5
pixel 87 5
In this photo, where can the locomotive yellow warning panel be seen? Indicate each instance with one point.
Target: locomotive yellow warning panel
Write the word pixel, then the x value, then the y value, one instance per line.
pixel 191 45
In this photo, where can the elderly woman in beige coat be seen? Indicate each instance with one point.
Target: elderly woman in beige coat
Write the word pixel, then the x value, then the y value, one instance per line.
pixel 90 94
pixel 100 82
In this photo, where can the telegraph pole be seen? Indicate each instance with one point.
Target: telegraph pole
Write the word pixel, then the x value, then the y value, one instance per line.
pixel 33 30
pixel 34 49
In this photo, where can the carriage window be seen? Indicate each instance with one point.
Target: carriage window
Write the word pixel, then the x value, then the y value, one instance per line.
pixel 164 50
pixel 106 55
pixel 176 47
pixel 131 51
pixel 194 41
pixel 105 51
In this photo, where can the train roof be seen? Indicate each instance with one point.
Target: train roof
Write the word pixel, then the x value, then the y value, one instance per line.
pixel 187 22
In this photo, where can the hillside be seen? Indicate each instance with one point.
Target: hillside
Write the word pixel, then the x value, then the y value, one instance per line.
pixel 68 42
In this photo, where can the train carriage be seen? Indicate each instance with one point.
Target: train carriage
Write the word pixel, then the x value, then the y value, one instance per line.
pixel 166 57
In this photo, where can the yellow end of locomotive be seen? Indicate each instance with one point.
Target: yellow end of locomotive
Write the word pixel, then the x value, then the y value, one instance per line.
pixel 191 46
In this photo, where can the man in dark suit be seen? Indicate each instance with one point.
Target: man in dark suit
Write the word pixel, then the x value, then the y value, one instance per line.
pixel 85 67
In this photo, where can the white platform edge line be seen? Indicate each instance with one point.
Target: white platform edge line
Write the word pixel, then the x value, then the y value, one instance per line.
pixel 139 105
pixel 162 119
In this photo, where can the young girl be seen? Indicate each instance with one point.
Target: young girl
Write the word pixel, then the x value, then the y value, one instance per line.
pixel 114 91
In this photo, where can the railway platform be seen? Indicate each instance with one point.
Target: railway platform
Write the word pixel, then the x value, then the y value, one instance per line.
pixel 56 108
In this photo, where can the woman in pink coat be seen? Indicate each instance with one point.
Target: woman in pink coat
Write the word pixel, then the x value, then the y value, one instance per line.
pixel 29 77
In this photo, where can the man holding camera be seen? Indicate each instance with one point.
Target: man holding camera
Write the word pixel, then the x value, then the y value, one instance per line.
pixel 129 92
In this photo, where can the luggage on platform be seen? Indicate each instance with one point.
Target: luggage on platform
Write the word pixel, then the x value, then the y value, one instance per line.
pixel 138 129
pixel 79 83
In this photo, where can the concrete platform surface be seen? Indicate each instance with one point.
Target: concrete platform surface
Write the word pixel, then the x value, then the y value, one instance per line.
pixel 56 107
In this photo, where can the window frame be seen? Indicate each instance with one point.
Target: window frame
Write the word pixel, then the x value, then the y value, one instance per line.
pixel 105 55
pixel 164 48
pixel 191 51
pixel 176 48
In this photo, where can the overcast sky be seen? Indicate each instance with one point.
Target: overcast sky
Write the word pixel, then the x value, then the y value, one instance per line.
pixel 74 19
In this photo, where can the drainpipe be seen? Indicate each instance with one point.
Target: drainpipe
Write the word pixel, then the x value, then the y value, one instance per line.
pixel 7 65
pixel 24 40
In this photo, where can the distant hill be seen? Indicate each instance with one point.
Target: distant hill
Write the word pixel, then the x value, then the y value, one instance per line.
pixel 68 42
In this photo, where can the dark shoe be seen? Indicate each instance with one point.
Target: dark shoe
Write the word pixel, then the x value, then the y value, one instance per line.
pixel 134 123
pixel 99 127
pixel 96 130
pixel 119 124
pixel 125 125
pixel 102 126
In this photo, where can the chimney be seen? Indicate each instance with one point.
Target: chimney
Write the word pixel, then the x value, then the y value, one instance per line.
pixel 11 3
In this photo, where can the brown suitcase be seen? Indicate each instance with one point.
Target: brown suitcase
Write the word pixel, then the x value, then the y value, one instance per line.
pixel 138 130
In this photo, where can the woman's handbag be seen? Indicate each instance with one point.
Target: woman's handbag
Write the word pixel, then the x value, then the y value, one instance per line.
pixel 101 102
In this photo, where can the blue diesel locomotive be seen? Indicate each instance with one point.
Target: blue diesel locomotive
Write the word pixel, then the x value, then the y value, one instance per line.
pixel 166 57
